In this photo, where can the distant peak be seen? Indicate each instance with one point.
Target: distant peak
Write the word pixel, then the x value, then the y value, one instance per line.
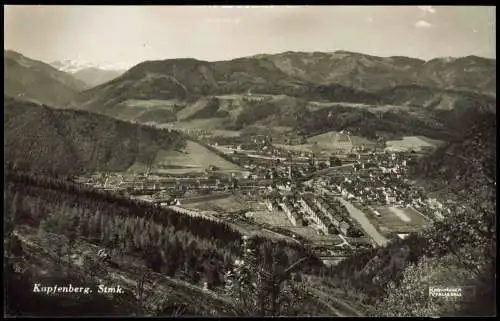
pixel 73 66
pixel 9 52
pixel 347 52
pixel 453 59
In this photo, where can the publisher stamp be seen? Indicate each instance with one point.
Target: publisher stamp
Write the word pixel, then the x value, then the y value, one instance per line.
pixel 452 293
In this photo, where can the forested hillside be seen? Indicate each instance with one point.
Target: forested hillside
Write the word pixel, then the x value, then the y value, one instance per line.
pixel 335 77
pixel 370 123
pixel 66 141
pixel 196 250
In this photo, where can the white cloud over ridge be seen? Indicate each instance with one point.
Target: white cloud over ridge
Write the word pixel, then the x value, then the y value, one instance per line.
pixel 422 24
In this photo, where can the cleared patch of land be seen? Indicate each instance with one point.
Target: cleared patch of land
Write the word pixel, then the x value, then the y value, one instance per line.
pixel 150 103
pixel 195 155
pixel 274 218
pixel 192 109
pixel 434 142
pixel 335 139
pixel 326 138
pixel 194 158
pixel 411 142
pixel 358 141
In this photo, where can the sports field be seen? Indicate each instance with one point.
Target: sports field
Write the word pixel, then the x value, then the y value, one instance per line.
pixel 399 219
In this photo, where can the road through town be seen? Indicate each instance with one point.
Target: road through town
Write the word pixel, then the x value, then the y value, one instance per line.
pixel 363 221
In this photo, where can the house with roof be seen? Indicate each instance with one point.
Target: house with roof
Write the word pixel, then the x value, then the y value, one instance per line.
pixel 344 227
pixel 287 208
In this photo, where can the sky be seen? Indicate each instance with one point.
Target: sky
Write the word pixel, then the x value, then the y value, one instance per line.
pixel 131 34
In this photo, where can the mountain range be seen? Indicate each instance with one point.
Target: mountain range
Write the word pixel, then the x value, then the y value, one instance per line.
pixel 339 76
pixel 373 73
pixel 172 89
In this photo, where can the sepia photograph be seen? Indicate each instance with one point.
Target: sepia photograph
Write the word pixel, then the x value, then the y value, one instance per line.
pixel 249 161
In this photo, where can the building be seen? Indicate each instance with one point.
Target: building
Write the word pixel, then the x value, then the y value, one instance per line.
pixel 313 215
pixel 344 227
pixel 288 211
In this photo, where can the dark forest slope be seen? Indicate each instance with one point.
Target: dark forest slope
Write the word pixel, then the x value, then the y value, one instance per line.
pixel 67 141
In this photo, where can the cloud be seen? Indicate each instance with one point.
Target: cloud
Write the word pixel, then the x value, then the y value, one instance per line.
pixel 422 24
pixel 427 9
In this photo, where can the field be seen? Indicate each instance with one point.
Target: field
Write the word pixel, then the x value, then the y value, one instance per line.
pixel 274 218
pixel 150 103
pixel 431 141
pixel 157 111
pixel 192 109
pixel 399 219
pixel 358 141
pixel 337 140
pixel 330 138
pixel 194 158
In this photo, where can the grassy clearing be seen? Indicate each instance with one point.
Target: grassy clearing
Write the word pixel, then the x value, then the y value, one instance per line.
pixel 150 103
pixel 358 141
pixel 410 142
pixel 274 218
pixel 325 138
pixel 192 109
pixel 434 142
pixel 194 156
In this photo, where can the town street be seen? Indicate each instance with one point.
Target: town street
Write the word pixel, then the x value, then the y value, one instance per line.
pixel 361 218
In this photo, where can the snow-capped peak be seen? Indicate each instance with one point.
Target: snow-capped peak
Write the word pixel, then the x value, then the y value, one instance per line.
pixel 72 66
